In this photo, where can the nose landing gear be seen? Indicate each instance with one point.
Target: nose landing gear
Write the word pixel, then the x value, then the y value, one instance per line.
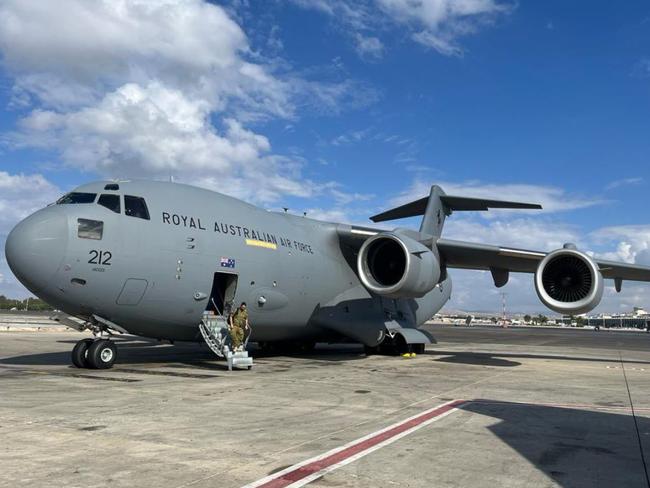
pixel 94 354
pixel 79 353
pixel 97 352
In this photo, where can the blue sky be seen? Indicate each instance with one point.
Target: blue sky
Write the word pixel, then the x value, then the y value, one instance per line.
pixel 343 108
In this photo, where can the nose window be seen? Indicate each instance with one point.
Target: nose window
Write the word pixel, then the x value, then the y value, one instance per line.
pixel 76 197
pixel 111 202
pixel 90 229
pixel 135 207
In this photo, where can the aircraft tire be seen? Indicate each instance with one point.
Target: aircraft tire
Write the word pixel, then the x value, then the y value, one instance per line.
pixel 80 353
pixel 102 354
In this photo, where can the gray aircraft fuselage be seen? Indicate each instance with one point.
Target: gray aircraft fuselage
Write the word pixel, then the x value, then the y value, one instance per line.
pixel 154 277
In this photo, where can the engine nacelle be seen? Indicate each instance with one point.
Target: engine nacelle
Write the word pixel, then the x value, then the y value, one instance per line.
pixel 569 282
pixel 397 266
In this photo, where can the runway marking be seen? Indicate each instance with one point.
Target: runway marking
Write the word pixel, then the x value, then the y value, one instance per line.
pixel 307 471
pixel 313 468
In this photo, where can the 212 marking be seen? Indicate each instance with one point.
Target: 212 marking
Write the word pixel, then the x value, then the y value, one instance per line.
pixel 100 257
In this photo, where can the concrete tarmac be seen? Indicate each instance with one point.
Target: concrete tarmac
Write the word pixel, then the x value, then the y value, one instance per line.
pixel 568 408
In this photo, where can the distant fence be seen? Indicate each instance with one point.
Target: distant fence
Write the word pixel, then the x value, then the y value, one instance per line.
pixel 619 323
pixel 23 320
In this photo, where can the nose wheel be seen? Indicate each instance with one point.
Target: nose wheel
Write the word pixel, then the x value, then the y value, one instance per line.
pixel 94 354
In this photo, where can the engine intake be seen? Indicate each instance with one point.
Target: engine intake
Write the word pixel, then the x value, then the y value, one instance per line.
pixel 397 266
pixel 569 282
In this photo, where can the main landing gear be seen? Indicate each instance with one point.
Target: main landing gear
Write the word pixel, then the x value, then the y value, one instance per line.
pixel 394 346
pixel 94 353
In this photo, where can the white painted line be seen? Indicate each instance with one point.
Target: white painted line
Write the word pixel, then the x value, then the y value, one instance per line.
pixel 307 471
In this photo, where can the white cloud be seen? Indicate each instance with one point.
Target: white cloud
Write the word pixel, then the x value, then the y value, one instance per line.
pixel 136 88
pixel 623 182
pixel 357 15
pixel 76 51
pixel 343 214
pixel 21 195
pixel 351 137
pixel 148 130
pixel 345 198
pixel 527 233
pixel 632 243
pixel 552 199
pixel 262 180
pixel 437 24
pixel 369 47
pixel 641 68
pixel 337 215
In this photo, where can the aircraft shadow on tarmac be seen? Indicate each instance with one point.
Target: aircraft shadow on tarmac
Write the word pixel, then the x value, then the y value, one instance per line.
pixel 132 351
pixel 499 359
pixel 573 447
pixel 145 351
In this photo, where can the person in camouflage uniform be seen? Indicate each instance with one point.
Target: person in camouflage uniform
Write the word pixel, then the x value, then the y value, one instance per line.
pixel 238 326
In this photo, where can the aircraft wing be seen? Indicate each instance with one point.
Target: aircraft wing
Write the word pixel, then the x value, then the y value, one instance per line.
pixel 470 255
pixel 473 255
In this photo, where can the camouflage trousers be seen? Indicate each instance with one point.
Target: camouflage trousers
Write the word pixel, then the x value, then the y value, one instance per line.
pixel 236 336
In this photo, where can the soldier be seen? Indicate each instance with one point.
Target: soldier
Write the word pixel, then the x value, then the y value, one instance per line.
pixel 238 326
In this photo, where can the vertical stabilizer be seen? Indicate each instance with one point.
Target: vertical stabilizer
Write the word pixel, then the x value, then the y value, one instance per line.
pixel 435 213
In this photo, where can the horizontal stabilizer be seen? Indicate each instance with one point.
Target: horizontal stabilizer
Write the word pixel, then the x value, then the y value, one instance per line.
pixel 408 210
pixel 464 203
pixel 451 203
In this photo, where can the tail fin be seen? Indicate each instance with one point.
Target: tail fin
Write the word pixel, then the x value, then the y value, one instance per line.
pixel 438 205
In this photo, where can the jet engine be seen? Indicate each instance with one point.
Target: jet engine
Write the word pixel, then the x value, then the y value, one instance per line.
pixel 569 282
pixel 397 266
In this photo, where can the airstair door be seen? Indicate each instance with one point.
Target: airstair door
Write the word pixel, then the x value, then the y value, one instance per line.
pixel 214 326
pixel 222 295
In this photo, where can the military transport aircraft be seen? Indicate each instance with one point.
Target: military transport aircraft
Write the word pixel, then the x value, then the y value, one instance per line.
pixel 153 258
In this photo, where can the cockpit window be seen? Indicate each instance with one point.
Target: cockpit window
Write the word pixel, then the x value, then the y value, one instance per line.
pixel 135 207
pixel 111 202
pixel 90 229
pixel 76 197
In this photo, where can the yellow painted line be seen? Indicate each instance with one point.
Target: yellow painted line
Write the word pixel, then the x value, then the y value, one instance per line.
pixel 255 242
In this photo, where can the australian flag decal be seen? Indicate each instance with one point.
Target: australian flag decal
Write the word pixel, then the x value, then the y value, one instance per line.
pixel 227 263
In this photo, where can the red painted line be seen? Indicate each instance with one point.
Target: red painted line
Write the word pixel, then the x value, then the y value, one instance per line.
pixel 311 469
pixel 306 470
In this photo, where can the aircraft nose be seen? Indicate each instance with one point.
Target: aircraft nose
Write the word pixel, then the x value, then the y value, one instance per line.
pixel 36 247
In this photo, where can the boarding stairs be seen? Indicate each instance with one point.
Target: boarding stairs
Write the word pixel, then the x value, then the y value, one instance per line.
pixel 214 329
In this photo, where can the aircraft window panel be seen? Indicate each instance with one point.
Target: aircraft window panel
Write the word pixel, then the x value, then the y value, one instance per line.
pixel 90 229
pixel 111 202
pixel 135 207
pixel 76 197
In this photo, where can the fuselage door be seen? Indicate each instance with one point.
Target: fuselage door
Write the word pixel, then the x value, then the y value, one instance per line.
pixel 132 291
